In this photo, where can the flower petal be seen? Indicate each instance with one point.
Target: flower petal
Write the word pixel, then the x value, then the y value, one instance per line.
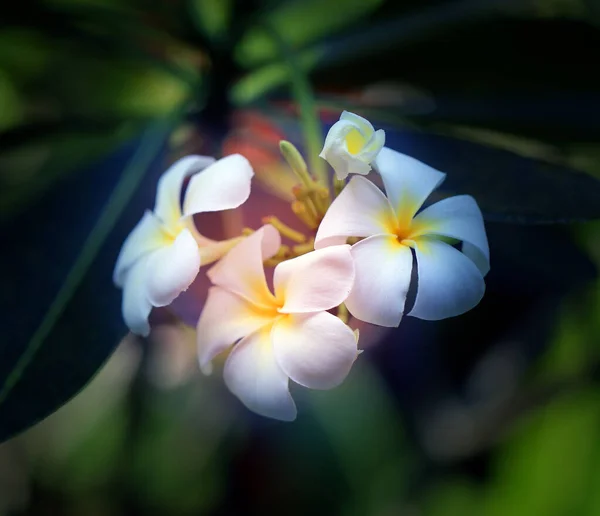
pixel 351 144
pixel 224 185
pixel 383 268
pixel 241 270
pixel 408 182
pixel 335 151
pixel 457 217
pixel 145 238
pixel 360 210
pixel 135 306
pixel 170 187
pixel 449 283
pixel 172 269
pixel 361 123
pixel 479 258
pixel 225 319
pixel 315 281
pixel 314 350
pixel 212 250
pixel 374 146
pixel 253 375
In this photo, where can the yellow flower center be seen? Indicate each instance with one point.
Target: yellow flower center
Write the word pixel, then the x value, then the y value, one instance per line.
pixel 403 233
pixel 355 141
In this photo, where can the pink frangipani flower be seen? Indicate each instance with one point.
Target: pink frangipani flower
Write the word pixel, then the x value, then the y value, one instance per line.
pixel 288 334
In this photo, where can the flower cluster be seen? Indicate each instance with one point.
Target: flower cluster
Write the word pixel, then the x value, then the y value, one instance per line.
pixel 281 311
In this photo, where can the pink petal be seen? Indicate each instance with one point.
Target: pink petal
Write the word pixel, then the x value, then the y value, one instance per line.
pixel 319 280
pixel 314 350
pixel 226 318
pixel 253 375
pixel 383 268
pixel 241 270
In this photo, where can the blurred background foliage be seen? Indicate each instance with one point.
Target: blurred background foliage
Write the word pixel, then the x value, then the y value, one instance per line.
pixel 495 412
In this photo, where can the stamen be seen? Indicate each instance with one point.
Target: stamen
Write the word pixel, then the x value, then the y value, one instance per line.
pixel 285 230
pixel 342 313
pixel 300 210
pixel 325 199
pixel 298 166
pixel 283 253
pixel 301 249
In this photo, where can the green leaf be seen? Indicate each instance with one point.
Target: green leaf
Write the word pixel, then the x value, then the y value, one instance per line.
pixel 11 110
pixel 545 467
pixel 212 17
pixel 38 157
pixel 101 88
pixel 81 326
pixel 360 420
pixel 78 449
pixel 455 497
pixel 300 22
pixel 258 83
pixel 508 187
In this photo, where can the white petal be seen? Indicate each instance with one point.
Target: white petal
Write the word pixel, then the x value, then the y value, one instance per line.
pixel 172 269
pixel 241 270
pixel 360 210
pixel 374 146
pixel 136 307
pixel 319 280
pixel 335 152
pixel 457 217
pixel 449 283
pixel 314 350
pixel 253 375
pixel 145 238
pixel 361 123
pixel 224 185
pixel 170 187
pixel 479 258
pixel 383 267
pixel 225 319
pixel 408 182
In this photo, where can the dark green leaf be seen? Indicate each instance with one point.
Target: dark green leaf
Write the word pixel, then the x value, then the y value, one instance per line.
pixel 507 186
pixel 63 327
pixel 300 22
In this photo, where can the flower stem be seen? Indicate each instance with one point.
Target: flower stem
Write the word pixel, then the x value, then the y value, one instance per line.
pixel 309 119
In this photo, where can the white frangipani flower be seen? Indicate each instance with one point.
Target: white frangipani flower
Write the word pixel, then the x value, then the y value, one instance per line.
pixel 284 335
pixel 162 255
pixel 450 282
pixel 351 145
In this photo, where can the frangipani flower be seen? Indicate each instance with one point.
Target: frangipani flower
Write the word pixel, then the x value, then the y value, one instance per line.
pixel 351 145
pixel 284 335
pixel 162 255
pixel 450 282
